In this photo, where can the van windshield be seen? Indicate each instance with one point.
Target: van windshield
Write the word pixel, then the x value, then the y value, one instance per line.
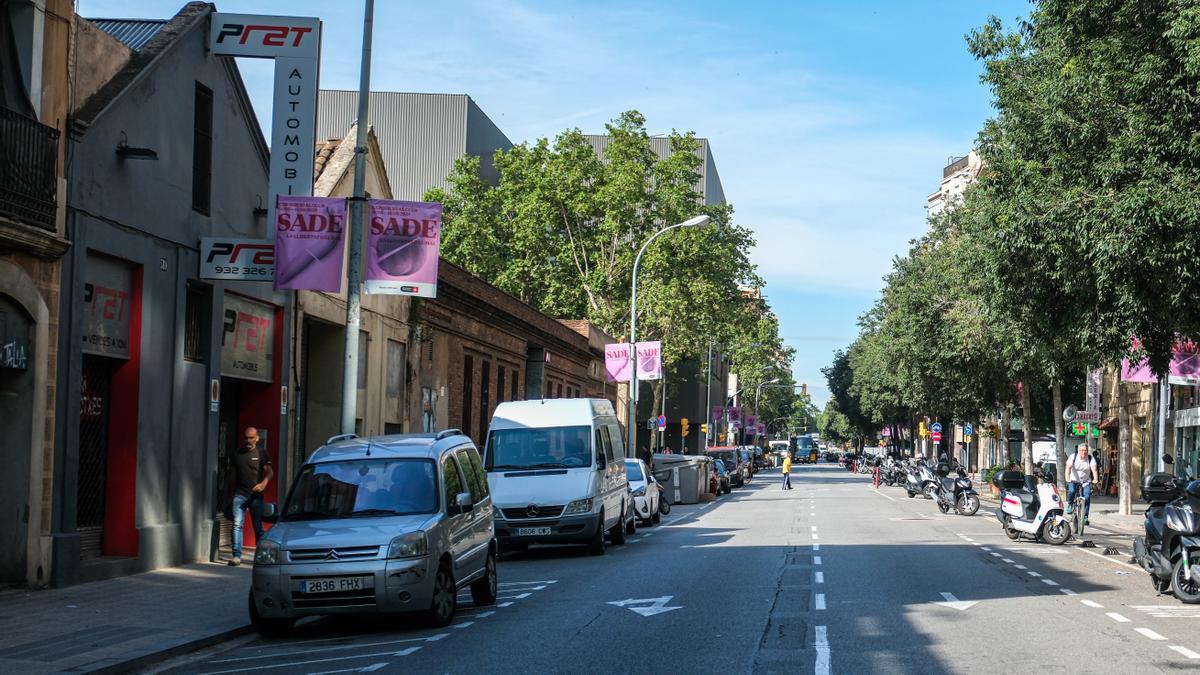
pixel 363 488
pixel 539 448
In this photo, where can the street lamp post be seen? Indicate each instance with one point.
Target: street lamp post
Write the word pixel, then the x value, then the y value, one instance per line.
pixel 758 390
pixel 631 450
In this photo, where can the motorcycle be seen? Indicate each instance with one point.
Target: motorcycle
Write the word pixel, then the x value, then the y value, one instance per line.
pixel 929 481
pixel 1170 550
pixel 913 483
pixel 1030 507
pixel 956 493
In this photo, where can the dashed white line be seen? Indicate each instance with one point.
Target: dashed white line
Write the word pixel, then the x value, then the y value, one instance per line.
pixel 1150 634
pixel 1116 617
pixel 816 560
pixel 986 549
pixel 1033 574
pixel 820 577
pixel 1020 567
pixel 816 547
pixel 814 535
pixel 1091 603
pixel 996 555
pixel 820 600
pixel 822 645
pixel 1049 582
pixel 1008 560
pixel 966 538
pixel 464 624
pixel 1067 591
pixel 814 528
pixel 1186 652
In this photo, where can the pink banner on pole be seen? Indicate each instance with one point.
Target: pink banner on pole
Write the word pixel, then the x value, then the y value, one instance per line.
pixel 1184 368
pixel 718 414
pixel 751 422
pixel 309 243
pixel 616 361
pixel 403 240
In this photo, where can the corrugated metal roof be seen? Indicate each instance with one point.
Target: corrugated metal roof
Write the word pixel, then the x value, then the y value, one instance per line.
pixel 709 184
pixel 420 135
pixel 133 33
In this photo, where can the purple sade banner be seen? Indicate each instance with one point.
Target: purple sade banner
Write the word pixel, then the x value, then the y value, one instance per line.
pixel 309 243
pixel 616 361
pixel 403 240
pixel 718 414
pixel 751 422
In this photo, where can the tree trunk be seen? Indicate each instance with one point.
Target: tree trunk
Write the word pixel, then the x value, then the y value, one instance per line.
pixel 1005 427
pixel 654 411
pixel 1124 453
pixel 1027 423
pixel 1060 437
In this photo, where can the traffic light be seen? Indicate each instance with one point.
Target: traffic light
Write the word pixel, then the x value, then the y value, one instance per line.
pixel 804 390
pixel 704 428
pixel 683 426
pixel 921 429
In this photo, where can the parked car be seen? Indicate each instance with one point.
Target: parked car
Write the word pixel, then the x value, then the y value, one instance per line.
pixel 646 495
pixel 384 524
pixel 732 458
pixel 720 477
pixel 557 474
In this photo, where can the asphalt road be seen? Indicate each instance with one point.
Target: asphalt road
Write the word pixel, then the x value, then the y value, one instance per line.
pixel 832 576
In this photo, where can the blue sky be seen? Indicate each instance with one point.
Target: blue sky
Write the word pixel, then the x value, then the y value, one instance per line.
pixel 829 122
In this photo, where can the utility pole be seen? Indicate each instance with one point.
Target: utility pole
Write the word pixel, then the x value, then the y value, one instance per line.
pixel 357 203
pixel 708 400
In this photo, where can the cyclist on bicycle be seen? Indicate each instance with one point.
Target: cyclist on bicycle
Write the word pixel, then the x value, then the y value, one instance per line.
pixel 1081 470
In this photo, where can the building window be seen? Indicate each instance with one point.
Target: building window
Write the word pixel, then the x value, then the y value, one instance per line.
pixel 485 393
pixel 396 366
pixel 549 389
pixel 500 384
pixel 202 146
pixel 198 304
pixel 559 395
pixel 513 391
pixel 468 392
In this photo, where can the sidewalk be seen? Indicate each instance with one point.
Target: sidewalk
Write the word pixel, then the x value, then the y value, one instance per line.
pixel 121 624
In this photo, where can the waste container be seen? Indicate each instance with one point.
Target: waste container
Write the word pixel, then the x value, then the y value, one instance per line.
pixel 682 475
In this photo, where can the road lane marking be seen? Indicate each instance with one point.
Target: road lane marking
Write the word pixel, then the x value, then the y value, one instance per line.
pixel 816 547
pixel 814 528
pixel 365 669
pixel 820 600
pixel 1033 574
pixel 820 577
pixel 1092 603
pixel 263 666
pixel 1109 559
pixel 505 604
pixel 1020 567
pixel 814 535
pixel 1049 582
pixel 816 560
pixel 1170 611
pixel 321 650
pixel 996 555
pixel 1116 617
pixel 1009 560
pixel 986 549
pixel 464 624
pixel 1150 634
pixel 1186 652
pixel 1067 591
pixel 822 645
pixel 966 538
pixel 884 495
pixel 522 596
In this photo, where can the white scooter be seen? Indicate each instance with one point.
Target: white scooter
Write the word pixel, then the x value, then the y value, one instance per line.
pixel 1030 507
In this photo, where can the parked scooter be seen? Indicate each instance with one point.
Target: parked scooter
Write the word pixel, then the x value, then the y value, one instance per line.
pixel 1031 508
pixel 1170 551
pixel 955 493
pixel 912 479
pixel 929 481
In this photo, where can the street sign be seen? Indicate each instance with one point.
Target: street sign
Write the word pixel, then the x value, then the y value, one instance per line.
pixel 662 422
pixel 968 430
pixel 1087 416
pixel 1092 402
pixel 936 426
pixel 966 438
pixel 936 436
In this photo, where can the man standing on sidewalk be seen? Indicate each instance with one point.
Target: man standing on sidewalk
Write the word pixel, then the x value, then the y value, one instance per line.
pixel 249 473
pixel 787 471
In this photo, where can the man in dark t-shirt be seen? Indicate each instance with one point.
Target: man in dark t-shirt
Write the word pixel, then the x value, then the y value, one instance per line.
pixel 248 472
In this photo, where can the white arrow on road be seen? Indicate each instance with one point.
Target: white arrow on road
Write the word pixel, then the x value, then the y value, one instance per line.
pixel 655 606
pixel 955 603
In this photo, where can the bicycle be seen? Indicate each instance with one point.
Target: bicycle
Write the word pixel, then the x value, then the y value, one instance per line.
pixel 1078 505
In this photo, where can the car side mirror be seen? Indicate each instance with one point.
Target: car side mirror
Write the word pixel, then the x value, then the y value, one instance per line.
pixel 462 503
pixel 270 512
pixel 1167 459
pixel 601 462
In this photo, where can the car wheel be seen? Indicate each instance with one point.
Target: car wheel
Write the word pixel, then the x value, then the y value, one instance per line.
pixel 596 544
pixel 728 489
pixel 631 524
pixel 664 506
pixel 483 590
pixel 617 534
pixel 444 600
pixel 268 628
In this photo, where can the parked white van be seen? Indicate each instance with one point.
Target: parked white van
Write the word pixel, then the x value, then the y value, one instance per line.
pixel 556 472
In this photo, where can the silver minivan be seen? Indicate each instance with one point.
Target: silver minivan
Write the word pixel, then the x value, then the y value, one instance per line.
pixel 384 524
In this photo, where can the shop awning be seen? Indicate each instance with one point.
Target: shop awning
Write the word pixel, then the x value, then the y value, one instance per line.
pixel 1108 423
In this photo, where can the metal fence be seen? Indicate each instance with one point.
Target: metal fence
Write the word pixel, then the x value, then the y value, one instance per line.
pixel 93 450
pixel 28 155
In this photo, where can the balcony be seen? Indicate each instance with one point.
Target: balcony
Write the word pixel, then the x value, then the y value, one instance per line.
pixel 28 185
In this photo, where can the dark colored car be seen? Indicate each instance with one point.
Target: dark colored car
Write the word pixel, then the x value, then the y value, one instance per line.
pixel 721 477
pixel 733 463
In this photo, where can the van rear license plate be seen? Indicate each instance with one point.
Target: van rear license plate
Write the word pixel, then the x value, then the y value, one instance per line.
pixel 333 585
pixel 532 531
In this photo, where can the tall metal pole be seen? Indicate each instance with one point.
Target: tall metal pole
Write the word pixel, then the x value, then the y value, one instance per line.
pixel 357 202
pixel 708 421
pixel 633 381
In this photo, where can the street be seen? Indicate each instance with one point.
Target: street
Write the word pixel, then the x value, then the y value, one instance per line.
pixel 832 576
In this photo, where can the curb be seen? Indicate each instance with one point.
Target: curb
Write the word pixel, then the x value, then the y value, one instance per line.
pixel 151 658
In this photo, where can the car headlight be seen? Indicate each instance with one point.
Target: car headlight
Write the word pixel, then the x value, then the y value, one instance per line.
pixel 640 492
pixel 497 514
pixel 578 506
pixel 409 545
pixel 266 552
